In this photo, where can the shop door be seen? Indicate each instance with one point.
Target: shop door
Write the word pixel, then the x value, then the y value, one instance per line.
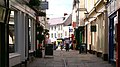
pixel 111 40
pixel 3 47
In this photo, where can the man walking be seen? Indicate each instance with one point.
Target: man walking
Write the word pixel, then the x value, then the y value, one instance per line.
pixel 67 44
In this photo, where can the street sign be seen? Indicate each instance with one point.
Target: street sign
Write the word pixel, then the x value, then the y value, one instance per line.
pixel 70 30
pixel 44 5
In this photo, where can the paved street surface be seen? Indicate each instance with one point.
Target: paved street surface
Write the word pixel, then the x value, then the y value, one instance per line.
pixel 69 59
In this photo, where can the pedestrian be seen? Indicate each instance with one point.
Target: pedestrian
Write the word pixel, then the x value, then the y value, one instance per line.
pixel 54 45
pixel 61 45
pixel 67 45
pixel 48 40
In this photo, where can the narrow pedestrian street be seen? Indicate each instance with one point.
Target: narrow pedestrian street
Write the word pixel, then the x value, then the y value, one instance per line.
pixel 69 59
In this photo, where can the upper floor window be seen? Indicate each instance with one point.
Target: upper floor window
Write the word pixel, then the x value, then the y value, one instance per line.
pixel 61 27
pixel 51 35
pixel 52 28
pixel 61 35
pixel 55 28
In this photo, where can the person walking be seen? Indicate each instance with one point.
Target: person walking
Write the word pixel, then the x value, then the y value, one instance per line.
pixel 61 45
pixel 67 44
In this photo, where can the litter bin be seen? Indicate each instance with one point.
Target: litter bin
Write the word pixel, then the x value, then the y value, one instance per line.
pixel 83 48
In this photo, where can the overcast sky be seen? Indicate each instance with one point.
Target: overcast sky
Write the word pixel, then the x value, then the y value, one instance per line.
pixel 57 8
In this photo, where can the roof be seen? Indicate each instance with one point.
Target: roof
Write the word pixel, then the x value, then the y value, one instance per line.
pixel 68 20
pixel 55 21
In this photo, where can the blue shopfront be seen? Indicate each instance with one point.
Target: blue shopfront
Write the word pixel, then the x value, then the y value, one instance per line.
pixel 112 41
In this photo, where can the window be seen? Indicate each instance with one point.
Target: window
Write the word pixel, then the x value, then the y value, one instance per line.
pixel 58 35
pixel 52 28
pixel 29 34
pixel 55 35
pixel 55 28
pixel 61 35
pixel 65 33
pixel 11 33
pixel 2 14
pixel 51 35
pixel 109 0
pixel 59 27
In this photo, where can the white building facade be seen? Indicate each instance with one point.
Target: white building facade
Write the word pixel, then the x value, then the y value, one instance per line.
pixel 59 29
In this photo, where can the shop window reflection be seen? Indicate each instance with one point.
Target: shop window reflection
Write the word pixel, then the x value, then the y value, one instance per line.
pixel 11 33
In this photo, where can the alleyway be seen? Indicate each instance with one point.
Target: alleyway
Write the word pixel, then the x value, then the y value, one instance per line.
pixel 69 59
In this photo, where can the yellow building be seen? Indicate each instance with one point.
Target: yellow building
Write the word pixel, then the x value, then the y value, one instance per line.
pixel 92 14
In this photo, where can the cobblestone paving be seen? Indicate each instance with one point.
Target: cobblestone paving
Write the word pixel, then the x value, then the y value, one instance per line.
pixel 69 59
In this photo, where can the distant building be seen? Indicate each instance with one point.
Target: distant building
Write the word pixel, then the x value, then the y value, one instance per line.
pixel 59 28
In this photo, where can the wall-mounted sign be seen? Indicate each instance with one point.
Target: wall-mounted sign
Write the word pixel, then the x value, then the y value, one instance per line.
pixel 44 5
pixel 2 14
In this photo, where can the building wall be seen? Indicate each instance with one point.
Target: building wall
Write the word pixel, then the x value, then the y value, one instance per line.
pixel 97 39
pixel 118 4
pixel 58 31
pixel 112 16
pixel 63 32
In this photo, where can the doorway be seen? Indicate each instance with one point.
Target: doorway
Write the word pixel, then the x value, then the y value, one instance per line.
pixel 112 42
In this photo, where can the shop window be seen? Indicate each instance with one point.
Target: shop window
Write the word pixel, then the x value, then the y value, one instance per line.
pixel 29 34
pixel 11 33
pixel 115 36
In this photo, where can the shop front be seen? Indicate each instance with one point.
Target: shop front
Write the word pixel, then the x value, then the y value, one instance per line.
pixel 112 41
pixel 4 15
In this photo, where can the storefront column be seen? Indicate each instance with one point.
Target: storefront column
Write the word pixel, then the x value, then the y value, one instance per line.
pixel 19 33
pixel 106 27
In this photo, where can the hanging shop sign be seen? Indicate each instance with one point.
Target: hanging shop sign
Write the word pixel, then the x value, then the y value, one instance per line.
pixel 44 5
pixel 81 28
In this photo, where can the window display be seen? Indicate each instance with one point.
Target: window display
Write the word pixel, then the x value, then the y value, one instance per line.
pixel 11 33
